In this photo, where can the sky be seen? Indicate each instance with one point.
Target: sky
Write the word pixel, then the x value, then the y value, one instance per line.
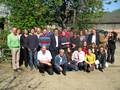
pixel 112 6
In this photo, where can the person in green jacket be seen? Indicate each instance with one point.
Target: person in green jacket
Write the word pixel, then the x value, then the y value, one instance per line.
pixel 13 43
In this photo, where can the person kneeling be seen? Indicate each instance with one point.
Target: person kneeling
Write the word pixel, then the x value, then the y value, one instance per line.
pixel 44 57
pixel 101 57
pixel 78 58
pixel 90 61
pixel 60 62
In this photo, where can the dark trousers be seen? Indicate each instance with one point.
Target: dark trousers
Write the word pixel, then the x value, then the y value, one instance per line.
pixel 44 67
pixel 80 65
pixel 54 53
pixel 88 67
pixel 24 56
pixel 72 67
pixel 63 66
pixel 102 64
pixel 33 58
pixel 110 57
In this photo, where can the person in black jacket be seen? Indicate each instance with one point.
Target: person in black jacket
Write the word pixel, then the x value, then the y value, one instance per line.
pixel 111 47
pixel 32 48
pixel 24 48
pixel 101 57
pixel 55 43
pixel 93 38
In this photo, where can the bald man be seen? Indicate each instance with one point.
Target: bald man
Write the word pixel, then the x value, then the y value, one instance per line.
pixel 44 57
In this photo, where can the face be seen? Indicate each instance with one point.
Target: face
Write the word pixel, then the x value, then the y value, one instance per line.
pixel 94 31
pixel 25 32
pixel 85 44
pixel 89 51
pixel 79 49
pixel 61 52
pixel 18 31
pixel 86 32
pixel 63 33
pixel 45 31
pixel 81 33
pixel 68 49
pixel 56 32
pixel 32 31
pixel 14 30
pixel 38 31
pixel 93 45
pixel 43 49
pixel 101 49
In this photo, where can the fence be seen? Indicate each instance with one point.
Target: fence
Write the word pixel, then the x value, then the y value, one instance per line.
pixel 5 55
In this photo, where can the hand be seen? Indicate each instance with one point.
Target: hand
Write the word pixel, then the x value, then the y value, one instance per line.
pixel 49 64
pixel 35 49
pixel 61 69
pixel 28 49
pixel 22 47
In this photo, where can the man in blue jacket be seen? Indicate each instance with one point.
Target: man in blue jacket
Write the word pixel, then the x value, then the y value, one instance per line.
pixel 60 62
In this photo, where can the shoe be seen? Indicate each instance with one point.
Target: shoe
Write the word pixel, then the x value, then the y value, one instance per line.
pixel 15 70
pixel 101 70
pixel 64 72
pixel 18 70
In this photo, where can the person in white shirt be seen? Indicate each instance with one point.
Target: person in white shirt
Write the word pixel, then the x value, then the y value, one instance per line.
pixel 78 58
pixel 44 57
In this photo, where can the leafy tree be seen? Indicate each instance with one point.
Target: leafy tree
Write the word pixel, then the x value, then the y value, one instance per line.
pixel 30 13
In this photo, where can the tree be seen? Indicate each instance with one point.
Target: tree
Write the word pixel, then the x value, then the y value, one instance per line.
pixel 29 13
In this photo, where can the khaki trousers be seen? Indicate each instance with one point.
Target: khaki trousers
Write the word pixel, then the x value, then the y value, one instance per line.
pixel 15 57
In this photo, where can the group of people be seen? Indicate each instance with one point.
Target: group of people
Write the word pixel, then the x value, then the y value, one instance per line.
pixel 61 50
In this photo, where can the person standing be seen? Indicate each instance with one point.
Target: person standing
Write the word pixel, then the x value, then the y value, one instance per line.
pixel 111 45
pixel 55 43
pixel 14 44
pixel 65 43
pixel 93 38
pixel 32 48
pixel 24 48
pixel 44 40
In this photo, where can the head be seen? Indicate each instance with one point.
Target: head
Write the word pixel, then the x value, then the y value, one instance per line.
pixel 101 49
pixel 63 33
pixel 84 43
pixel 38 31
pixel 35 28
pixel 80 49
pixel 68 50
pixel 61 52
pixel 56 32
pixel 74 34
pixel 25 31
pixel 43 49
pixel 86 32
pixel 93 45
pixel 18 31
pixel 94 31
pixel 32 31
pixel 14 30
pixel 89 51
pixel 45 31
pixel 81 33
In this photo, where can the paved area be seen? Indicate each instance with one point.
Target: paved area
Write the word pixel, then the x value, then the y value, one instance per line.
pixel 33 80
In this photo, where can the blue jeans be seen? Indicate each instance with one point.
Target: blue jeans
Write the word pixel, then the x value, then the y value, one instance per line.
pixel 33 59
